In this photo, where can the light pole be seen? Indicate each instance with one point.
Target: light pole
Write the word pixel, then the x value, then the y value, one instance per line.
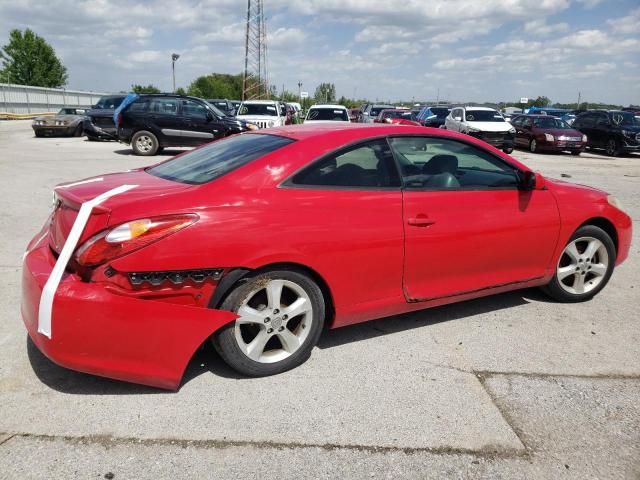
pixel 174 57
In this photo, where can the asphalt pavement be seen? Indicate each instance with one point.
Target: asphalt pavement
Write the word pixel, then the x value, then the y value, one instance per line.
pixel 509 386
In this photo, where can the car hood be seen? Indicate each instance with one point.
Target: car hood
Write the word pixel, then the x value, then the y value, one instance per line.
pixel 256 118
pixel 564 187
pixel 491 126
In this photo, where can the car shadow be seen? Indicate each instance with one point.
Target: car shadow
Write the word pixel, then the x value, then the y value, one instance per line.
pixel 207 361
pixel 163 153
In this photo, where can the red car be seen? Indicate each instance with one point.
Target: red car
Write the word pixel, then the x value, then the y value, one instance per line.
pixel 260 240
pixel 547 133
pixel 389 113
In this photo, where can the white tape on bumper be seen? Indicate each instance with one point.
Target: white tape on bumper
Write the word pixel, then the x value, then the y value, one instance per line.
pixel 50 288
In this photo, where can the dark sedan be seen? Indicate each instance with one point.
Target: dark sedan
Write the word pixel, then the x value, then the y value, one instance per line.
pixel 66 123
pixel 546 133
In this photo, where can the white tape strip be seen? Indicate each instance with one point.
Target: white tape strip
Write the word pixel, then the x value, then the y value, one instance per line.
pixel 82 182
pixel 50 288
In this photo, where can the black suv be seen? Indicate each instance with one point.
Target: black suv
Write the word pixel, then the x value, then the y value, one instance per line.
pixel 615 131
pixel 154 121
pixel 99 122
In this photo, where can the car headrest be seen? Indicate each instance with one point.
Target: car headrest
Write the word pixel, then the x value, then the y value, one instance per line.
pixel 440 164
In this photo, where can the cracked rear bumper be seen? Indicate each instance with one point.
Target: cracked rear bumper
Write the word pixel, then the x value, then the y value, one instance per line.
pixel 96 331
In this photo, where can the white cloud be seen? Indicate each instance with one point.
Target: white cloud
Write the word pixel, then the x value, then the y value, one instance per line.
pixel 629 24
pixel 540 27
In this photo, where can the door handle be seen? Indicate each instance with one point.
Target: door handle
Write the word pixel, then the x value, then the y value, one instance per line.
pixel 420 220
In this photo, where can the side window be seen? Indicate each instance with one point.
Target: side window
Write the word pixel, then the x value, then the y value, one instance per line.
pixel 367 164
pixel 165 106
pixel 430 163
pixel 194 109
pixel 517 121
pixel 528 122
pixel 138 106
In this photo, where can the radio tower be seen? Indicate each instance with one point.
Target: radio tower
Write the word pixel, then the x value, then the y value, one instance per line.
pixel 255 83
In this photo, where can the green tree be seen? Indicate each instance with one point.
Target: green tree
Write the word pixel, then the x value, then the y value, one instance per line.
pixel 29 60
pixel 325 93
pixel 540 102
pixel 217 85
pixel 135 88
pixel 181 91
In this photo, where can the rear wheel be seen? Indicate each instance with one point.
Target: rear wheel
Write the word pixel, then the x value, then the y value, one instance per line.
pixel 533 146
pixel 613 149
pixel 144 143
pixel 281 314
pixel 585 266
pixel 576 153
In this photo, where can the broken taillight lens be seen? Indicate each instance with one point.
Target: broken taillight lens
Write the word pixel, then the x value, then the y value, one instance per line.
pixel 129 237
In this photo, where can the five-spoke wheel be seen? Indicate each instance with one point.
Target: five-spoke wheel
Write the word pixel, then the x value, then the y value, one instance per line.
pixel 280 317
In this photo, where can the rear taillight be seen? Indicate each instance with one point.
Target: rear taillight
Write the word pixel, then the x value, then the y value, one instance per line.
pixel 129 237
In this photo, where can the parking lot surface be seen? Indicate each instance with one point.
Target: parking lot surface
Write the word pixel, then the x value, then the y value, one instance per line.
pixel 509 386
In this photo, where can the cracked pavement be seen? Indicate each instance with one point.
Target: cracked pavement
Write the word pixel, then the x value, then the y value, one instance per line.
pixel 510 386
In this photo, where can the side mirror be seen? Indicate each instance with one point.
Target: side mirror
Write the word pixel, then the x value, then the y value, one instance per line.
pixel 209 116
pixel 530 181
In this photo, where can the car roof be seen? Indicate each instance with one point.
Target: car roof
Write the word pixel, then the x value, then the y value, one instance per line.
pixel 326 105
pixel 359 130
pixel 471 107
pixel 264 102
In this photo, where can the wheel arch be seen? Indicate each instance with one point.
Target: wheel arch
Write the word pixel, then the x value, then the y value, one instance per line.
pixel 237 275
pixel 605 225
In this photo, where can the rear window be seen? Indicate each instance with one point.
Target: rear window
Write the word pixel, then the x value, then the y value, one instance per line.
pixel 217 159
pixel 333 114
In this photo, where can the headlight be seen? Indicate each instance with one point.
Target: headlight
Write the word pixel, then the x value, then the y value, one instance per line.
pixel 251 126
pixel 512 130
pixel 472 130
pixel 584 139
pixel 614 202
pixel 628 133
pixel 548 137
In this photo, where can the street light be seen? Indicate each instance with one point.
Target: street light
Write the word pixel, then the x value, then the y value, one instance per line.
pixel 174 57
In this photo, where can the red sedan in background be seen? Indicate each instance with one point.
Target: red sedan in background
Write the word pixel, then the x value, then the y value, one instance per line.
pixel 545 133
pixel 260 240
pixel 389 113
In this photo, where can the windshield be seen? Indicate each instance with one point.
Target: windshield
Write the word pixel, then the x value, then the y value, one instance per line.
pixel 624 119
pixel 550 122
pixel 394 113
pixel 258 109
pixel 484 116
pixel 109 102
pixel 375 111
pixel 440 112
pixel 218 158
pixel 333 114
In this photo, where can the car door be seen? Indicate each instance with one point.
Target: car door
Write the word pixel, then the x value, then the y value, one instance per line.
pixel 528 132
pixel 163 119
pixel 601 129
pixel 585 123
pixel 467 225
pixel 520 134
pixel 201 125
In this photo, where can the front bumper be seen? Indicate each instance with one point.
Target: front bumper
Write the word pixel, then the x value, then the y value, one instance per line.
pixel 55 130
pixel 498 140
pixel 101 133
pixel 94 330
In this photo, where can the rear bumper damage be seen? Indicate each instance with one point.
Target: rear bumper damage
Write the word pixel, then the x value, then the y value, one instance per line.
pixel 96 331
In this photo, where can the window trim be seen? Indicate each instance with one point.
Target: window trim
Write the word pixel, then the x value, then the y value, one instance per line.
pixel 288 182
pixel 469 189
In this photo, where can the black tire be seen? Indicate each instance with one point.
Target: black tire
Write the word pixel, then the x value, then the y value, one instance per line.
pixel 553 288
pixel 613 147
pixel 533 146
pixel 225 341
pixel 144 143
pixel 160 150
pixel 508 150
pixel 576 153
pixel 79 131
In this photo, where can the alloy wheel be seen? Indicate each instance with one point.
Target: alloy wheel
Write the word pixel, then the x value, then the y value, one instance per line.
pixel 583 265
pixel 533 146
pixel 274 321
pixel 612 147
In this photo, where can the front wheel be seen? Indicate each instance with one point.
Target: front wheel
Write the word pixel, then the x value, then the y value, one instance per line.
pixel 533 146
pixel 576 153
pixel 78 131
pixel 144 143
pixel 281 314
pixel 585 266
pixel 613 149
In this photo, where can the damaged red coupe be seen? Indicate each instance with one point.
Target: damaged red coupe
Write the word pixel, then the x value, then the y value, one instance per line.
pixel 259 241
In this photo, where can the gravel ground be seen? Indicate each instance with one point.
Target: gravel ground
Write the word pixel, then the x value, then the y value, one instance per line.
pixel 510 386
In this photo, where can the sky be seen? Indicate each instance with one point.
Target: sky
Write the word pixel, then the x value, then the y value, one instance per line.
pixel 456 50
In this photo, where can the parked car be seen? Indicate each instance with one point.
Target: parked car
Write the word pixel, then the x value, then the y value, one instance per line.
pixel 254 242
pixel 99 122
pixel 327 114
pixel 545 133
pixel 434 116
pixel 262 113
pixel 391 113
pixel 484 123
pixel 236 105
pixel 224 105
pixel 404 119
pixel 66 123
pixel 354 113
pixel 371 111
pixel 155 121
pixel 615 131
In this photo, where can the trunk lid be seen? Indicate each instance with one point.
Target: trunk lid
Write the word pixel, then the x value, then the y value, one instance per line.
pixel 70 197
